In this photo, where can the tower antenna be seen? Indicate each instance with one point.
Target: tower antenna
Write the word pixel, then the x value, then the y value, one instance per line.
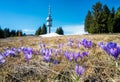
pixel 49 19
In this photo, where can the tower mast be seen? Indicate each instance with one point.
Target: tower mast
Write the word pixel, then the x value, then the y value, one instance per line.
pixel 49 20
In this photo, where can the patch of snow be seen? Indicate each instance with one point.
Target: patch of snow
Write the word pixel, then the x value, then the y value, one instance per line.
pixel 50 35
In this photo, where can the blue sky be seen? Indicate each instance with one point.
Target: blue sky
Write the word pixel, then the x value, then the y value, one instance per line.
pixel 28 15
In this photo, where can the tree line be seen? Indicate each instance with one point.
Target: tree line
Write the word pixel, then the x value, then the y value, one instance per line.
pixel 43 30
pixel 4 33
pixel 102 19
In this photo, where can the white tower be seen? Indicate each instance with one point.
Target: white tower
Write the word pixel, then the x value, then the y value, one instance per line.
pixel 49 20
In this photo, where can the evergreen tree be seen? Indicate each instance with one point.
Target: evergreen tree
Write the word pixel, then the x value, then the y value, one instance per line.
pixel 110 22
pixel 60 31
pixel 102 20
pixel 88 20
pixel 7 32
pixel 2 34
pixel 44 29
pixel 57 31
pixel 116 28
pixel 106 13
pixel 38 31
pixel 13 33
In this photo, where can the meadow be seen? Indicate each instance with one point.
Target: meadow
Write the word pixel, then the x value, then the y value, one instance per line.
pixel 59 59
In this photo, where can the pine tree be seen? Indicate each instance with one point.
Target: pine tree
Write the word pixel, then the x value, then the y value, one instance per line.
pixel 13 33
pixel 102 19
pixel 7 32
pixel 38 31
pixel 110 22
pixel 116 28
pixel 106 13
pixel 60 31
pixel 57 31
pixel 2 34
pixel 44 29
pixel 88 20
pixel 97 14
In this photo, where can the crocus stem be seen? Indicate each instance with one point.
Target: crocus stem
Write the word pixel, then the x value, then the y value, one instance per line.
pixel 116 63
pixel 77 79
pixel 108 58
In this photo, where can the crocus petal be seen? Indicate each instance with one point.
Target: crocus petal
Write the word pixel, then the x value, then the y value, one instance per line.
pixel 2 61
pixel 81 70
pixel 85 54
pixel 111 45
pixel 77 69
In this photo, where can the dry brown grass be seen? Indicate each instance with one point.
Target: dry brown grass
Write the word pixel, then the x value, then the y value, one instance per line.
pixel 98 67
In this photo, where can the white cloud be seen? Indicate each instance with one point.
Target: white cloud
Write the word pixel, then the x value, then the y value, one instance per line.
pixel 28 31
pixel 74 29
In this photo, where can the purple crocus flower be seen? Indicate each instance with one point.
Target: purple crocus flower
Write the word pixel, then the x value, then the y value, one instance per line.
pixel 13 49
pixel 85 54
pixel 43 51
pixel 5 54
pixel 111 45
pixel 86 43
pixel 2 60
pixel 69 55
pixel 28 56
pixel 10 53
pixel 115 52
pixel 28 50
pixel 111 48
pixel 18 50
pixel 22 48
pixel 65 53
pixel 55 62
pixel 28 53
pixel 76 56
pixel 70 43
pixel 106 48
pixel 46 53
pixel 100 44
pixel 79 70
pixel 47 58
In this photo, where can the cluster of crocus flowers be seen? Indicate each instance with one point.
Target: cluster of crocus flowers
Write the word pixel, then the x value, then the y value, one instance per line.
pixel 27 52
pixel 7 52
pixel 79 70
pixel 86 43
pixel 111 48
pixel 46 53
pixel 74 56
pixel 49 54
